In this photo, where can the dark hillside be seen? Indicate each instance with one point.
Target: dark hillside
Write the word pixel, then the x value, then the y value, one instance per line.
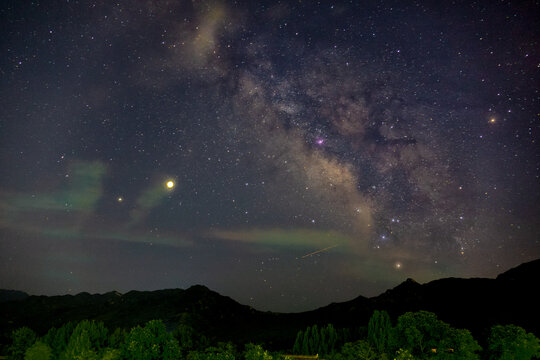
pixel 474 304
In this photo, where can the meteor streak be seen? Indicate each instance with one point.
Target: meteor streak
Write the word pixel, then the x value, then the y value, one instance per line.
pixel 319 251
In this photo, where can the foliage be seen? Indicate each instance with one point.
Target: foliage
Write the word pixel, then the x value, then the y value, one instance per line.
pixel 457 344
pixel 185 335
pixel 417 332
pixel 402 354
pixel 79 348
pixel 111 354
pixel 117 338
pixel 313 340
pixel 87 341
pixel 305 341
pixel 511 342
pixel 256 352
pixel 356 350
pixel 38 351
pixel 188 339
pixel 379 330
pixel 150 342
pixel 221 352
pixel 417 335
pixel 422 334
pixel 57 339
pixel 22 339
pixel 297 347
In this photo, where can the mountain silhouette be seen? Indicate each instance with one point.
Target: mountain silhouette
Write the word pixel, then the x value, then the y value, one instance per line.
pixel 12 295
pixel 475 304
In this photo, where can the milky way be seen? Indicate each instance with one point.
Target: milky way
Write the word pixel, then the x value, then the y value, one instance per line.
pixel 285 154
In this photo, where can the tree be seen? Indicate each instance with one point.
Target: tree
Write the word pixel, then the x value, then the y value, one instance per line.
pixel 458 344
pixel 117 338
pixel 256 352
pixel 331 339
pixel 314 341
pixel 297 347
pixel 421 333
pixel 87 341
pixel 138 344
pixel 323 342
pixel 151 342
pixel 305 341
pixel 22 339
pixel 356 350
pixel 511 342
pixel 38 351
pixel 57 339
pixel 379 330
pixel 189 339
pixel 79 348
pixel 417 331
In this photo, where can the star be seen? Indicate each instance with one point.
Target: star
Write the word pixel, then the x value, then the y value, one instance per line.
pixel 365 143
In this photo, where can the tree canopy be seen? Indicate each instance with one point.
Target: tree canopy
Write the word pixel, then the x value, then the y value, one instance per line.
pixel 423 335
pixel 416 335
pixel 510 342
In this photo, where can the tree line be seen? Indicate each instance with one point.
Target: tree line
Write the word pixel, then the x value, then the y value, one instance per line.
pixel 416 335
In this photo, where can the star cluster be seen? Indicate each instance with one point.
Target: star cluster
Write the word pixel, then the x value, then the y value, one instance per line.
pixel 268 150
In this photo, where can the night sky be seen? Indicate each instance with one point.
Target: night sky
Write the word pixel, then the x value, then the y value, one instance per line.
pixel 316 151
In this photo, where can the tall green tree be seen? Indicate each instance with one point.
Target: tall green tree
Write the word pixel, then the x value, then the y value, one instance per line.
pixel 298 342
pixel 57 339
pixel 328 340
pixel 332 338
pixel 186 337
pixel 422 334
pixel 189 339
pixel 305 341
pixel 511 342
pixel 117 338
pixel 323 341
pixel 379 330
pixel 314 340
pixel 457 344
pixel 87 341
pixel 80 348
pixel 21 339
pixel 417 332
pixel 151 342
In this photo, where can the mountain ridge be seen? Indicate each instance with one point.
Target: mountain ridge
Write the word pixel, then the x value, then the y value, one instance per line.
pixel 475 304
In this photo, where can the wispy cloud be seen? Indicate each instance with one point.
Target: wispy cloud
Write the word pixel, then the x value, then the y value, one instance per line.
pixel 82 191
pixel 148 200
pixel 69 211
